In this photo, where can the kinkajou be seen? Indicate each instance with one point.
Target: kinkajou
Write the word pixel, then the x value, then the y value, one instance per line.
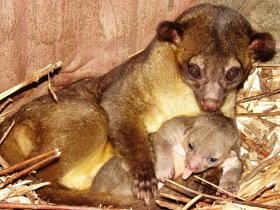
pixel 185 145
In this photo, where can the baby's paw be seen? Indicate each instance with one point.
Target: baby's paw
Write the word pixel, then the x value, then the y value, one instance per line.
pixel 229 186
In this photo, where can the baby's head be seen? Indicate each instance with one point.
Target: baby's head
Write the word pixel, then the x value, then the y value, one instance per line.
pixel 209 141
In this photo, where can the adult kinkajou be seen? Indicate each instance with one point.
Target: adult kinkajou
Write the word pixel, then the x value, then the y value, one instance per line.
pixel 185 145
pixel 193 66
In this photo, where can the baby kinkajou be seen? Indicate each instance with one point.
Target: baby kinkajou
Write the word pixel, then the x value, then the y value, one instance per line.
pixel 182 145
pixel 185 145
pixel 112 187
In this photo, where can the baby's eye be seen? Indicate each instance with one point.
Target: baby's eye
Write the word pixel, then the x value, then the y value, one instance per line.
pixel 190 146
pixel 212 160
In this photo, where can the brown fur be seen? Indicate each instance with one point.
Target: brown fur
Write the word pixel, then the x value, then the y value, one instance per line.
pixel 135 98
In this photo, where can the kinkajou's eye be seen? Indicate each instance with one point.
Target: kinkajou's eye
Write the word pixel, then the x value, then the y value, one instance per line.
pixel 192 71
pixel 233 74
pixel 190 146
pixel 212 160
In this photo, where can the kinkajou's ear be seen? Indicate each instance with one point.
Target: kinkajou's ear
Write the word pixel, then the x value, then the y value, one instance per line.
pixel 170 32
pixel 262 46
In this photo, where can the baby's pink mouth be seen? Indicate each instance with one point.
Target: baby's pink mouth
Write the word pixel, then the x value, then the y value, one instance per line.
pixel 187 173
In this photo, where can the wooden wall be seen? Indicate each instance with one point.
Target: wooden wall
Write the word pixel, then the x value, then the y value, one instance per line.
pixel 89 37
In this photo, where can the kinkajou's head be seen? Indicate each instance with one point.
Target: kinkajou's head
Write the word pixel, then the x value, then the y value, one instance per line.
pixel 209 141
pixel 215 49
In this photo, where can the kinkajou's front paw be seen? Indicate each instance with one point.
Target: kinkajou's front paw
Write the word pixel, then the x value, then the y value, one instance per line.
pixel 144 187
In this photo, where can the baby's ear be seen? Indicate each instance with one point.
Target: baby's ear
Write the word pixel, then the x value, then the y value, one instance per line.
pixel 187 129
pixel 235 152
